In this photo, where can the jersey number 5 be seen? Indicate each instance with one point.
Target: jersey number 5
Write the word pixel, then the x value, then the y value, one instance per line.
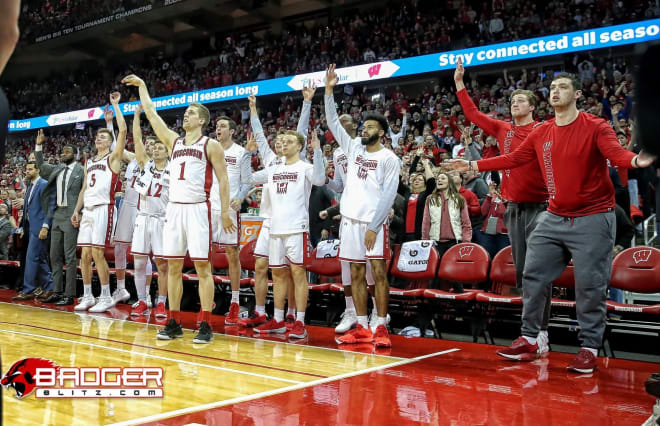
pixel 92 181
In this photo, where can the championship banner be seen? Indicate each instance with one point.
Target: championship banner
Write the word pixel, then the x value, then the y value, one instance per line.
pixel 618 35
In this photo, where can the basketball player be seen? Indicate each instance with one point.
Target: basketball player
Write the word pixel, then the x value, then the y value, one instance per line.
pixel 98 219
pixel 289 181
pixel 372 178
pixel 523 187
pixel 239 173
pixel 126 220
pixel 152 185
pixel 349 317
pixel 258 317
pixel 194 159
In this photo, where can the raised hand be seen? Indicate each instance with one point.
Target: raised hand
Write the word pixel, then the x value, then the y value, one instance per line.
pixel 331 79
pixel 251 144
pixel 456 165
pixel 107 114
pixel 138 109
pixel 316 143
pixel 252 101
pixel 133 80
pixel 460 71
pixel 308 91
pixel 40 137
pixel 644 159
pixel 115 97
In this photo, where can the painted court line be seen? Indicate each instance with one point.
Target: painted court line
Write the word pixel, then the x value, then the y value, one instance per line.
pixel 264 394
pixel 190 329
pixel 262 376
pixel 192 354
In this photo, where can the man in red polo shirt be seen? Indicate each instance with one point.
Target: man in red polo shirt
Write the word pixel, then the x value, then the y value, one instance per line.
pixel 572 150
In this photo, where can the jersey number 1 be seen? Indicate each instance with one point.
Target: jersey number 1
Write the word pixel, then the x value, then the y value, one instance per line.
pixel 183 168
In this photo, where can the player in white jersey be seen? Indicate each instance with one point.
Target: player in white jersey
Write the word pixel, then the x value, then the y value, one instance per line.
pixel 152 185
pixel 98 219
pixel 239 173
pixel 126 218
pixel 259 317
pixel 194 160
pixel 340 161
pixel 372 179
pixel 289 181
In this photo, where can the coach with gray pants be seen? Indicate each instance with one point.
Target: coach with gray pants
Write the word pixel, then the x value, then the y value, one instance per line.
pixel 64 180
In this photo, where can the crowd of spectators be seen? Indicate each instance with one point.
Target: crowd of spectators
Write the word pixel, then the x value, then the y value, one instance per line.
pixel 434 129
pixel 402 28
pixel 44 17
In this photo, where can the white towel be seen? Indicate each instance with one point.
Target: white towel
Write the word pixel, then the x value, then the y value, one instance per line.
pixel 414 256
pixel 327 248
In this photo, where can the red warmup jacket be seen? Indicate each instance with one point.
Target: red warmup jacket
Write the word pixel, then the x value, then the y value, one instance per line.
pixel 524 184
pixel 574 162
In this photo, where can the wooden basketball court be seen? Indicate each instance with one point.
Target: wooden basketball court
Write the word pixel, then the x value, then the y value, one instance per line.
pixel 241 379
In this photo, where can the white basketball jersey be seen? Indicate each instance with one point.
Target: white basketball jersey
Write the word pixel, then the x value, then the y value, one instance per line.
pixel 289 187
pixel 132 173
pixel 101 182
pixel 233 159
pixel 340 161
pixel 365 180
pixel 190 172
pixel 155 200
pixel 265 210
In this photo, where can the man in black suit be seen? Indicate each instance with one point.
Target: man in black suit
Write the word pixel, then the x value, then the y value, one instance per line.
pixel 64 181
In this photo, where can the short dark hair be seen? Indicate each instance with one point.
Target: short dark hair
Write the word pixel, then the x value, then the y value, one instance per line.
pixel 232 123
pixel 575 82
pixel 73 148
pixel 34 163
pixel 382 121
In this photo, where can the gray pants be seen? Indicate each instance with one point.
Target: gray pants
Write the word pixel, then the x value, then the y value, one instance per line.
pixel 520 220
pixel 63 240
pixel 589 241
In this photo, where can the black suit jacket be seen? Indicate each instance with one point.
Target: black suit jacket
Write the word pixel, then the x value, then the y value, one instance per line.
pixel 50 173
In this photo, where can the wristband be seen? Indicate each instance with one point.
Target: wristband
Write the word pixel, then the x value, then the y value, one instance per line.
pixel 635 161
pixel 470 166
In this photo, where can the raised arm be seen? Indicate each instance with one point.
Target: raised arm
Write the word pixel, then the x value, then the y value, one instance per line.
pixel 303 122
pixel 472 113
pixel 140 150
pixel 164 133
pixel 521 156
pixel 217 159
pixel 341 136
pixel 45 169
pixel 267 154
pixel 318 171
pixel 118 151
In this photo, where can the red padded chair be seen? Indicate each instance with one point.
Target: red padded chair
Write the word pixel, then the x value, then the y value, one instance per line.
pixel 325 266
pixel 464 263
pixel 502 270
pixel 636 269
pixel 427 274
pixel 565 280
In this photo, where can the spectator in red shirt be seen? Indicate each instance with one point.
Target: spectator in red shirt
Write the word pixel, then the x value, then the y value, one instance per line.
pixel 572 151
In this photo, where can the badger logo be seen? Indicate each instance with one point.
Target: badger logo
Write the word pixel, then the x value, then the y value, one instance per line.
pixel 21 375
pixel 641 256
pixel 465 251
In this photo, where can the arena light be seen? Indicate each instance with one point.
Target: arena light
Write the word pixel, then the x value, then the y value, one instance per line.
pixel 618 35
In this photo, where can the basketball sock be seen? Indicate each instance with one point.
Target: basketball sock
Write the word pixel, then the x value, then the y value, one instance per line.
pixel 279 315
pixel 121 284
pixel 261 309
pixel 234 296
pixel 350 306
pixel 530 340
pixel 105 291
pixel 88 290
pixel 300 316
pixel 162 299
pixel 363 321
pixel 291 311
pixel 382 321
